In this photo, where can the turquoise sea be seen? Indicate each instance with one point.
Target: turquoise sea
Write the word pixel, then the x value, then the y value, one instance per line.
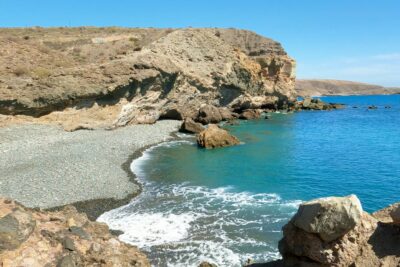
pixel 227 205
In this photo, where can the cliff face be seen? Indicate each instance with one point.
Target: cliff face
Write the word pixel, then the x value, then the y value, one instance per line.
pixel 110 78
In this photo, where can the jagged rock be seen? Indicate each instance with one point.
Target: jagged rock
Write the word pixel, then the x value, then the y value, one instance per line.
pixel 15 228
pixel 214 136
pixel 250 114
pixel 209 114
pixel 389 214
pixel 227 114
pixel 52 242
pixel 330 218
pixel 373 241
pixel 190 126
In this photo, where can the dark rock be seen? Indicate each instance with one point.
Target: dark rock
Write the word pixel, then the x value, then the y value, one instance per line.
pixel 190 126
pixel 207 264
pixel 209 114
pixel 68 244
pixel 372 107
pixel 250 114
pixel 78 231
pixel 214 136
pixel 15 228
pixel 66 261
pixel 172 114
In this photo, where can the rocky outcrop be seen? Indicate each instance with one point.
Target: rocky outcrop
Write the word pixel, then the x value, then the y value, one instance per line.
pixel 190 126
pixel 336 231
pixel 158 72
pixel 63 238
pixel 214 137
pixel 250 114
pixel 309 103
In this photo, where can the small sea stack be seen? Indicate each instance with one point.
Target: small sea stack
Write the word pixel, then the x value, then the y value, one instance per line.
pixel 214 137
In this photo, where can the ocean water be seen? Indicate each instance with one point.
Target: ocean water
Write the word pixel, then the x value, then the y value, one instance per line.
pixel 227 205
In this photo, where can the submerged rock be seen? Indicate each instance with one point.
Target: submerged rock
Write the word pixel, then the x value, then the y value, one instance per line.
pixel 214 136
pixel 190 126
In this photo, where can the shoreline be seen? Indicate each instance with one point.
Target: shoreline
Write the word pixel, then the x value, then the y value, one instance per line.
pixel 94 180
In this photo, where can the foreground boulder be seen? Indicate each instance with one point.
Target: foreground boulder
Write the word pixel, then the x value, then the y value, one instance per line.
pixel 61 238
pixel 336 232
pixel 190 126
pixel 330 218
pixel 214 136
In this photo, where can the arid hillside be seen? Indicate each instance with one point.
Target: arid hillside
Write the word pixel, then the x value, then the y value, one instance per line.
pixel 103 77
pixel 337 87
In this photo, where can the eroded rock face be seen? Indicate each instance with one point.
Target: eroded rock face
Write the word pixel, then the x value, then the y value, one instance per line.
pixel 64 238
pixel 214 137
pixel 330 218
pixel 371 241
pixel 184 68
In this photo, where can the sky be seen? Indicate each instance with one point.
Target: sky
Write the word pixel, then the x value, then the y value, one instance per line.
pixel 330 39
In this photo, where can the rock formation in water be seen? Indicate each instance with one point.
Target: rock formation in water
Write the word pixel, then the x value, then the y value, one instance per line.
pixel 335 231
pixel 63 238
pixel 214 137
pixel 110 77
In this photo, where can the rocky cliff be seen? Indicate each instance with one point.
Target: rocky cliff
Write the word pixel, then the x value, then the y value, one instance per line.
pixel 336 87
pixel 63 238
pixel 112 77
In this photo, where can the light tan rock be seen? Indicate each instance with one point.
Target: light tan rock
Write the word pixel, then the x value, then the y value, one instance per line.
pixel 214 137
pixel 190 126
pixel 330 218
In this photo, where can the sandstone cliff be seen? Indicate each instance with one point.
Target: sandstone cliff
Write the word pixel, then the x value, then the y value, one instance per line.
pixel 336 87
pixel 111 77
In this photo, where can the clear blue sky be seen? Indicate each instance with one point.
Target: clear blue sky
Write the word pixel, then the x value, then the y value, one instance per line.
pixel 338 39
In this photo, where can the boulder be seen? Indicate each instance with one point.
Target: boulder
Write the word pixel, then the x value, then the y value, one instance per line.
pixel 214 136
pixel 307 102
pixel 227 114
pixel 209 114
pixel 15 228
pixel 329 218
pixel 190 126
pixel 250 114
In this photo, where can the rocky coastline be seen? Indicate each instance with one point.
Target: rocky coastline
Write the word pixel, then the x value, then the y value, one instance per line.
pixel 68 130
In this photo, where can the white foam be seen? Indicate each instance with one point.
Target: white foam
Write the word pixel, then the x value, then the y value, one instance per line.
pixel 151 229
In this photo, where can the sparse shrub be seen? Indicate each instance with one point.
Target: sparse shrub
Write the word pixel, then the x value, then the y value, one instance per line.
pixel 76 50
pixel 20 71
pixel 133 39
pixel 41 72
pixel 218 34
pixel 26 37
pixel 169 30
